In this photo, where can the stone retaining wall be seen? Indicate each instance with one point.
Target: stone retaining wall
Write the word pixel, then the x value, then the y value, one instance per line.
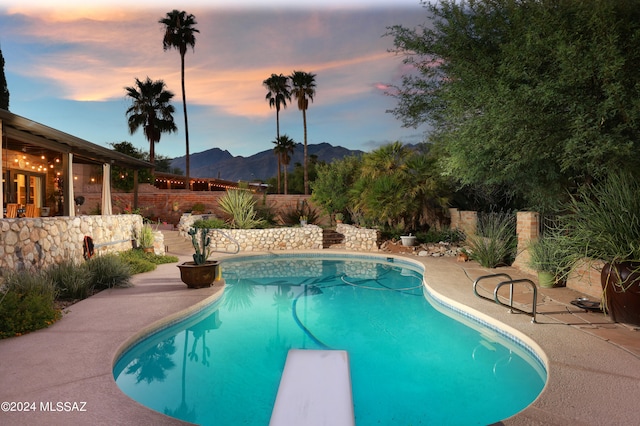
pixel 359 239
pixel 308 237
pixel 36 243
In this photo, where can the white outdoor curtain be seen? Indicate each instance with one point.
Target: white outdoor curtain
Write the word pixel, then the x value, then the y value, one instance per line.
pixel 2 171
pixel 39 190
pixel 70 201
pixel 106 189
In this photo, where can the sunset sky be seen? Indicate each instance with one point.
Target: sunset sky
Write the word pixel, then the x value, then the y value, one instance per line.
pixel 67 66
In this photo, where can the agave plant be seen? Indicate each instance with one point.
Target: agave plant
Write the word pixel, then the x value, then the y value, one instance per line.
pixel 239 205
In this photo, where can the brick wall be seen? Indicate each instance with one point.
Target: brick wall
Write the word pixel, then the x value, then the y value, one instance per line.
pixel 527 230
pixel 168 204
pixel 464 220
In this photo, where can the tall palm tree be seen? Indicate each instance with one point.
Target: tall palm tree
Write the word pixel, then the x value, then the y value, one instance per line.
pixel 278 94
pixel 284 148
pixel 150 109
pixel 277 150
pixel 180 33
pixel 304 89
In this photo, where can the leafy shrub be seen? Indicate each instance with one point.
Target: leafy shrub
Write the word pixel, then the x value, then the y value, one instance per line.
pixel 495 242
pixel 26 303
pixel 71 280
pixel 108 271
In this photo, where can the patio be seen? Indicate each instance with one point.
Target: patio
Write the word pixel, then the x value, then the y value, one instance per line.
pixel 594 365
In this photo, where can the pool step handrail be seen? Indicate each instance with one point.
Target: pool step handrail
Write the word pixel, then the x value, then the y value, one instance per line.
pixel 230 238
pixel 510 282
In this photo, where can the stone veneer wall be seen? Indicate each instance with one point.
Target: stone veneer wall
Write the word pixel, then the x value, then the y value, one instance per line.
pixel 307 237
pixel 36 243
pixel 359 239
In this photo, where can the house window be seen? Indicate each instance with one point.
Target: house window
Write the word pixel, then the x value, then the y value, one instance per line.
pixel 24 188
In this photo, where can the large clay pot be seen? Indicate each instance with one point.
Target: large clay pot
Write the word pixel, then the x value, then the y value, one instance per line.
pixel 198 276
pixel 621 285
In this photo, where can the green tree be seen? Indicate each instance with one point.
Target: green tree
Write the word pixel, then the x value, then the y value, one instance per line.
pixel 296 176
pixel 333 183
pixel 304 89
pixel 533 97
pixel 150 109
pixel 180 34
pixel 122 177
pixel 4 90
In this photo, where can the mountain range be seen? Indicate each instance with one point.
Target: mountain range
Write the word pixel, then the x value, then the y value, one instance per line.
pixel 217 163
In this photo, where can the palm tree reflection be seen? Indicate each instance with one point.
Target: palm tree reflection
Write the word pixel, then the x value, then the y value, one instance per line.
pixel 153 364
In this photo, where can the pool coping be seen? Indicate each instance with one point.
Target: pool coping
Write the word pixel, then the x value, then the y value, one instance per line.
pixel 72 360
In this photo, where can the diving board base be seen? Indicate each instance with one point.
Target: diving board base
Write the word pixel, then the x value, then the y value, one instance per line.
pixel 315 389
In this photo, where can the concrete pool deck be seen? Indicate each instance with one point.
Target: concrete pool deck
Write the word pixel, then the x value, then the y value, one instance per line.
pixel 594 365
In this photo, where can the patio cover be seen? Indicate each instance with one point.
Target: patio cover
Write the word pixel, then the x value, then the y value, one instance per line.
pixel 22 134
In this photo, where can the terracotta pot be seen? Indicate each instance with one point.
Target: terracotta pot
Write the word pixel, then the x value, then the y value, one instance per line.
pixel 621 285
pixel 198 276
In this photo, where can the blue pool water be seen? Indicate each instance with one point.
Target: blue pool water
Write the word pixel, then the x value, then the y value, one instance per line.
pixel 410 364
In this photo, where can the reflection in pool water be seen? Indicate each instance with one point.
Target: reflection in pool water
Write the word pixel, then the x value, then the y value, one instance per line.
pixel 410 364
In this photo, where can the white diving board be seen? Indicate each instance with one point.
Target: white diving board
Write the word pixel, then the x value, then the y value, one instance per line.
pixel 315 389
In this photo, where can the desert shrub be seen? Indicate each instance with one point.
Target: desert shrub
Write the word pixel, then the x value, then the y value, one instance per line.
pixel 292 215
pixel 447 235
pixel 71 280
pixel 211 223
pixel 266 212
pixel 495 242
pixel 391 232
pixel 197 208
pixel 108 271
pixel 139 261
pixel 26 303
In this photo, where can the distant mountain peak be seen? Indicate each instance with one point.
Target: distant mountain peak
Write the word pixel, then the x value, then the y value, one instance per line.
pixel 218 163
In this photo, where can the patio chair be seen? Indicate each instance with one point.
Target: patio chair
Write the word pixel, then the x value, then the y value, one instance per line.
pixel 32 211
pixel 12 211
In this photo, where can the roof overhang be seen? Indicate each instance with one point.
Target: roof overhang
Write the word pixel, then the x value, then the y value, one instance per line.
pixel 26 135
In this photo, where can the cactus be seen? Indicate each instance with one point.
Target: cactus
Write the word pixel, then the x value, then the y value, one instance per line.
pixel 201 247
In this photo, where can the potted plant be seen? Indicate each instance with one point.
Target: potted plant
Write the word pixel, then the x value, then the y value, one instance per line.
pixel 604 224
pixel 146 239
pixel 303 220
pixel 202 272
pixel 408 240
pixel 339 217
pixel 550 259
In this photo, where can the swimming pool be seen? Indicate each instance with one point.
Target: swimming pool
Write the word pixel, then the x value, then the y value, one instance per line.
pixel 410 363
